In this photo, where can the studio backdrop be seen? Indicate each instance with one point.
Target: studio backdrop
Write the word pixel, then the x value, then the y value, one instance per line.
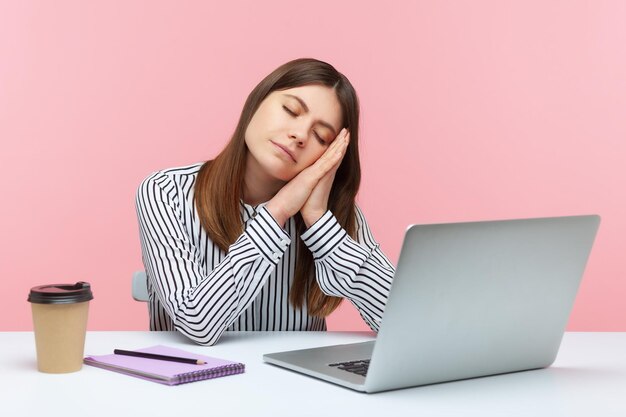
pixel 470 110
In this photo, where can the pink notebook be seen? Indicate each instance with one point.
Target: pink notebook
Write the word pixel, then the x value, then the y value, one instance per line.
pixel 166 372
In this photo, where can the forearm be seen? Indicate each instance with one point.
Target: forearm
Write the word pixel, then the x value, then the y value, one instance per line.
pixel 346 268
pixel 202 306
pixel 211 307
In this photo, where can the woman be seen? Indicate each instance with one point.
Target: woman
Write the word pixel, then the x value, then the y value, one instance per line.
pixel 267 235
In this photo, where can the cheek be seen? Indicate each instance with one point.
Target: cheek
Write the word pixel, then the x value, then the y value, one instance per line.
pixel 252 136
pixel 257 122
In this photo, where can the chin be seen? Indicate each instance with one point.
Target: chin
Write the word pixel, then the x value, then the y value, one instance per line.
pixel 281 172
pixel 284 176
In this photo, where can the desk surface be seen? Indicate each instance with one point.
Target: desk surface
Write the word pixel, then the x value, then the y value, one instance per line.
pixel 588 378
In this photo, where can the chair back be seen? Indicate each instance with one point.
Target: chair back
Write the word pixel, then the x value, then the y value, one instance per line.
pixel 140 286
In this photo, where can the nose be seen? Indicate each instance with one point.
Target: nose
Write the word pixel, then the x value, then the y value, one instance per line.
pixel 298 133
pixel 298 137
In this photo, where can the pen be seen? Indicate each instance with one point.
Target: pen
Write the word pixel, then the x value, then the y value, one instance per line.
pixel 158 357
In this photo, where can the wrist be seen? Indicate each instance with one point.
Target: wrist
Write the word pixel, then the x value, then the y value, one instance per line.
pixel 311 217
pixel 276 213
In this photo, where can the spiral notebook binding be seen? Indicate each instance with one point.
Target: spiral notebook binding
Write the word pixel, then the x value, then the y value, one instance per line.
pixel 226 370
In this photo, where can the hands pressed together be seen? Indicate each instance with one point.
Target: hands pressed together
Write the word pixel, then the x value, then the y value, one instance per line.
pixel 308 191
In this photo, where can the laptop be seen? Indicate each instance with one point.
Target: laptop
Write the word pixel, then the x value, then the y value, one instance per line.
pixel 467 300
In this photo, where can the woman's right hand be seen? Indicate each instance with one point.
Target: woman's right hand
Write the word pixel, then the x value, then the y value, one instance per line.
pixel 290 199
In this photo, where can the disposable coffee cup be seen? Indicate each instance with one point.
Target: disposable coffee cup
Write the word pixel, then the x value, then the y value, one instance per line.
pixel 60 320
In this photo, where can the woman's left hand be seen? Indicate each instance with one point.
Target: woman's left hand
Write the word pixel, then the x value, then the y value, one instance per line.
pixel 317 203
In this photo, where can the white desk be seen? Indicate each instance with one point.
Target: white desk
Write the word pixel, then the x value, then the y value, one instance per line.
pixel 587 379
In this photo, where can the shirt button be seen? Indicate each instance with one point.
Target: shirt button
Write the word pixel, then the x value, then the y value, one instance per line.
pixel 284 243
pixel 275 255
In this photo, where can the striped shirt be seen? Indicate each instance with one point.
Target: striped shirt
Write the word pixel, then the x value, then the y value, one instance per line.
pixel 196 288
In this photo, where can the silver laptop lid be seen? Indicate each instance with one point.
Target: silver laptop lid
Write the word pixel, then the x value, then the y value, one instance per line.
pixel 481 298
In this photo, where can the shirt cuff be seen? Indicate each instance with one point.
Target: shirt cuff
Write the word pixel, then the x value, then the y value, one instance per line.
pixel 267 235
pixel 324 235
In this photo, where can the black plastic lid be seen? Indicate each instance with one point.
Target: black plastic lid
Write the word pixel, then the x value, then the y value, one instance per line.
pixel 61 293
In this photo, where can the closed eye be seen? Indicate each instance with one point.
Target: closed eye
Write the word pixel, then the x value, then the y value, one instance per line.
pixel 289 111
pixel 319 139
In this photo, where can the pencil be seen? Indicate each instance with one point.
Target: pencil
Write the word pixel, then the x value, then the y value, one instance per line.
pixel 158 357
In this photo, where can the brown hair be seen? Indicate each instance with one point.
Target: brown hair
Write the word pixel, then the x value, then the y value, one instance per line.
pixel 220 182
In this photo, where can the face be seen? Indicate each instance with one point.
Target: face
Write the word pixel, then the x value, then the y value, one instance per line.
pixel 291 129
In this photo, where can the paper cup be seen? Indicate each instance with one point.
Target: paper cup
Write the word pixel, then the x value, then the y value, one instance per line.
pixel 60 314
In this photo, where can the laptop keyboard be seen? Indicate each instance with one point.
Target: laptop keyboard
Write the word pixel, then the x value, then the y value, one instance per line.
pixel 357 367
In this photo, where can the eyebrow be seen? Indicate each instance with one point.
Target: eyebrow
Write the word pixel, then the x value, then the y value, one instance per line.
pixel 306 109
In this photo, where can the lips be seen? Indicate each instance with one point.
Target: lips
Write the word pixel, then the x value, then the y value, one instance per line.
pixel 284 149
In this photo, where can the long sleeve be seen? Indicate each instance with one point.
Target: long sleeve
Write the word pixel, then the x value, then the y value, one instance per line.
pixel 202 305
pixel 356 270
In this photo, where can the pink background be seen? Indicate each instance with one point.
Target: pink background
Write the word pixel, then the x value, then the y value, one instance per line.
pixel 470 111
